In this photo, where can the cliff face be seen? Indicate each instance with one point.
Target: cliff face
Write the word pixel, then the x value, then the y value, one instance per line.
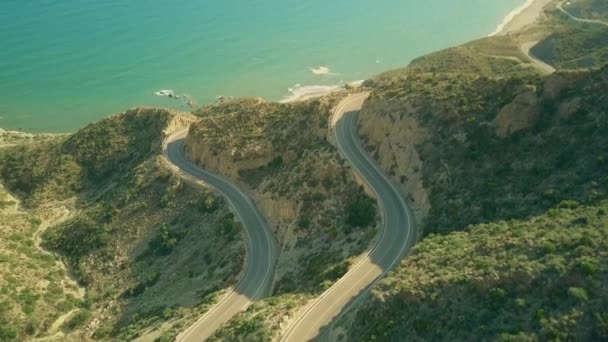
pixel 245 134
pixel 391 133
pixel 227 162
pixel 449 138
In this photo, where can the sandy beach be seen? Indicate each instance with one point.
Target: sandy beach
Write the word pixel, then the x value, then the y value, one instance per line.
pixel 522 16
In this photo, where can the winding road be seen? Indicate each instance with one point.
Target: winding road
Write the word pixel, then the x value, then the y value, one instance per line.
pixel 560 7
pixel 540 65
pixel 544 67
pixel 261 249
pixel 398 235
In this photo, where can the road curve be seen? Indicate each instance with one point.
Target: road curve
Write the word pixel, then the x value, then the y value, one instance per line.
pixel 397 237
pixel 560 7
pixel 540 65
pixel 261 250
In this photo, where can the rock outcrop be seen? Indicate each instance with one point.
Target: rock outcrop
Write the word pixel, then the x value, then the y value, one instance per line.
pixel 391 134
pixel 521 113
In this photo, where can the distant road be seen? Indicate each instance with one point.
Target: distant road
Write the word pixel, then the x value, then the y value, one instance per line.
pixel 560 6
pixel 397 237
pixel 257 281
pixel 542 66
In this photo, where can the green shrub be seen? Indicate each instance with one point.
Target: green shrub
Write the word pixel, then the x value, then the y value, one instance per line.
pixel 361 212
pixel 578 294
pixel 77 238
pixel 7 332
pixel 207 203
pixel 304 222
pixel 497 296
pixel 549 247
pixel 27 298
pixel 568 204
pixel 165 241
pixel 78 320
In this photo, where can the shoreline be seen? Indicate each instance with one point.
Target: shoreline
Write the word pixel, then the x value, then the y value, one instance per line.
pixel 526 14
pixel 522 16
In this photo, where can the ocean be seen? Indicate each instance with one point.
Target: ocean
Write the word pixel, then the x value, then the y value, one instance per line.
pixel 66 63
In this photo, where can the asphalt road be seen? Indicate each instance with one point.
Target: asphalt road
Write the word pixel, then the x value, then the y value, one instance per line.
pixel 261 250
pixel 542 66
pixel 397 237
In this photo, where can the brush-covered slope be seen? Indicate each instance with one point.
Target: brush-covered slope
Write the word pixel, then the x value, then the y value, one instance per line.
pixel 35 292
pixel 535 141
pixel 540 279
pixel 151 253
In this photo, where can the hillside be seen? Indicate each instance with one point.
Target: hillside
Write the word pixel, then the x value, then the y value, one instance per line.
pixel 505 136
pixel 36 291
pixel 556 39
pixel 541 279
pixel 570 44
pixel 321 217
pixel 151 253
pixel 516 171
pixel 591 9
pixel 506 171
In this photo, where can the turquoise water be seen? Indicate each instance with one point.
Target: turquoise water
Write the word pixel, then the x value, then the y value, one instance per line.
pixel 65 63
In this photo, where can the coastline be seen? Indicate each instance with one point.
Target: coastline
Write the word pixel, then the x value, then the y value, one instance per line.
pixel 525 13
pixel 522 16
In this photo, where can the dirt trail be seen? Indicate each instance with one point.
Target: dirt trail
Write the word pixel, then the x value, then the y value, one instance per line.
pixel 51 216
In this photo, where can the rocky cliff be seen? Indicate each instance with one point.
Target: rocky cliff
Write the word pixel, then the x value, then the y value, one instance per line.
pixel 391 133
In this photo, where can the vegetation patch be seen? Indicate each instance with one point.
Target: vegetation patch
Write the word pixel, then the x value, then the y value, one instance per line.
pixel 152 253
pixel 535 279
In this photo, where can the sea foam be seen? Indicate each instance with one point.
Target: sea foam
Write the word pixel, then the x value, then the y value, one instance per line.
pixel 320 70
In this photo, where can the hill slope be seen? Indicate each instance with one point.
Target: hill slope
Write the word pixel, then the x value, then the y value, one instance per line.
pixel 537 279
pixel 151 253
